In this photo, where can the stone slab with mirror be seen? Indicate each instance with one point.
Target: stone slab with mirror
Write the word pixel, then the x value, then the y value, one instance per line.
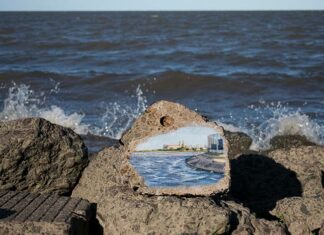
pixel 175 151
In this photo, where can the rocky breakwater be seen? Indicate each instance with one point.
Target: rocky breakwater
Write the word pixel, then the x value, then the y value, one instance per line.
pixel 125 205
pixel 38 156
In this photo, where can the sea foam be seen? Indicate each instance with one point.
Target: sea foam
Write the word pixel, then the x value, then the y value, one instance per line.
pixel 23 102
pixel 116 117
pixel 276 120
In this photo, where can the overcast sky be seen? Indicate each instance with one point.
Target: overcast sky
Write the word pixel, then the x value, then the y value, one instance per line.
pixel 114 5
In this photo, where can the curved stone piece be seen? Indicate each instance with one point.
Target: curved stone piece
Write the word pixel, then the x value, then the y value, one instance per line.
pixel 158 127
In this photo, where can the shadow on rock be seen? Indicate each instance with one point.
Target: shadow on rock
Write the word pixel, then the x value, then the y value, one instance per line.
pixel 259 182
pixel 4 213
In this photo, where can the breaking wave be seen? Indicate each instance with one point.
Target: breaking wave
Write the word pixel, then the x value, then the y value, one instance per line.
pixel 278 120
pixel 23 102
pixel 116 117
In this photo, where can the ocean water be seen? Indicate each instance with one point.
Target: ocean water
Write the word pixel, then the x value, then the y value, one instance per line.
pixel 258 72
pixel 172 171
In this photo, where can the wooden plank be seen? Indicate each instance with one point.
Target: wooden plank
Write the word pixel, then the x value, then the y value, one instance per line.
pixel 33 206
pixel 43 208
pixel 7 197
pixel 19 207
pixel 14 200
pixel 2 193
pixel 53 211
pixel 65 213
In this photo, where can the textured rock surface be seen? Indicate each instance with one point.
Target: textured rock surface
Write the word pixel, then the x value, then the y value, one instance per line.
pixel 123 203
pixel 122 210
pixel 244 223
pixel 160 118
pixel 303 214
pixel 31 213
pixel 289 141
pixel 239 143
pixel 39 156
pixel 259 182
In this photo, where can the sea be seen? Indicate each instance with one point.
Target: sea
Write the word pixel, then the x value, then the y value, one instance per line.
pixel 261 73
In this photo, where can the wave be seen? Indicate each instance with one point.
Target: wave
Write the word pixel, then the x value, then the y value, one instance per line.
pixel 278 120
pixel 23 102
pixel 83 46
pixel 116 117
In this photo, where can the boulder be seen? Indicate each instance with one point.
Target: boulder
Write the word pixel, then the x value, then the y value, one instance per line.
pixel 239 143
pixel 160 118
pixel 39 156
pixel 259 182
pixel 303 214
pixel 288 141
pixel 308 164
pixel 121 209
pixel 245 223
pixel 125 205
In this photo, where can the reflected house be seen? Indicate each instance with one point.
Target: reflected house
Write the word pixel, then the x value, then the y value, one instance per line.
pixel 215 144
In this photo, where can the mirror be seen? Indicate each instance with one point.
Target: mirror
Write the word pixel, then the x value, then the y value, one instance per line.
pixel 190 156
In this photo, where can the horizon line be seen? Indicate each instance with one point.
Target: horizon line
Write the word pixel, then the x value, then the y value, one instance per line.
pixel 224 10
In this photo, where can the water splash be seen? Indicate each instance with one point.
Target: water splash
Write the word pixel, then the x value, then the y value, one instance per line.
pixel 23 102
pixel 261 121
pixel 276 119
pixel 118 117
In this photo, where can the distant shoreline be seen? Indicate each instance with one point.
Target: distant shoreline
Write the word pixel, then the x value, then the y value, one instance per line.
pixel 165 153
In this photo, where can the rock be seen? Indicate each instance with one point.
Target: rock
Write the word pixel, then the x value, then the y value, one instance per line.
pixel 303 214
pixel 152 123
pixel 39 156
pixel 245 223
pixel 259 182
pixel 125 205
pixel 289 141
pixel 121 209
pixel 308 164
pixel 239 143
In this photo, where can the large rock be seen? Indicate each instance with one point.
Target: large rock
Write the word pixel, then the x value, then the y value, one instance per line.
pixel 163 117
pixel 239 143
pixel 39 156
pixel 125 205
pixel 289 141
pixel 123 210
pixel 245 223
pixel 259 182
pixel 303 214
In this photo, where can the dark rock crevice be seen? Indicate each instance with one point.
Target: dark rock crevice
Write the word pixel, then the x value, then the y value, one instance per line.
pixel 259 182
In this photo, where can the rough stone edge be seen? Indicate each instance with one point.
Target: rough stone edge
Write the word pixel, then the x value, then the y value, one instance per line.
pixel 208 190
pixel 34 227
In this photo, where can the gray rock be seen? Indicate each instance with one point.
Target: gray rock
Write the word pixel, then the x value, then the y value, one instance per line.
pixel 245 223
pixel 39 156
pixel 289 141
pixel 123 204
pixel 302 214
pixel 239 143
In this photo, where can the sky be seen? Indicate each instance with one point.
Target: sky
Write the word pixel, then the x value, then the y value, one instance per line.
pixel 156 5
pixel 195 136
